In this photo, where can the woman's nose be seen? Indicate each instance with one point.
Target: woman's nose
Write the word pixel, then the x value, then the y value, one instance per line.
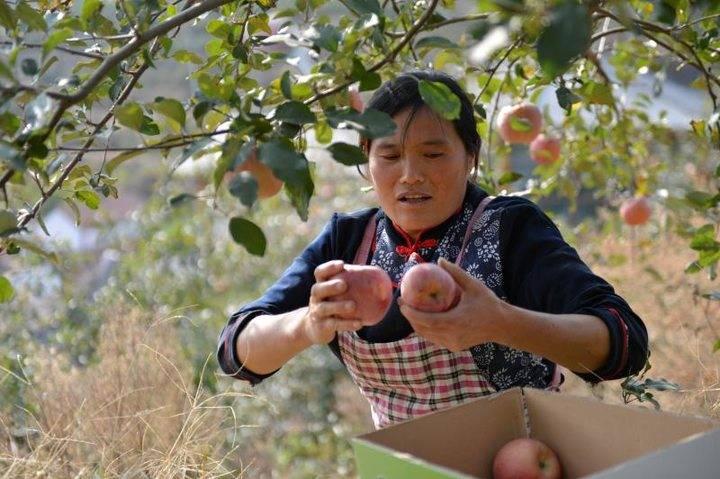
pixel 412 171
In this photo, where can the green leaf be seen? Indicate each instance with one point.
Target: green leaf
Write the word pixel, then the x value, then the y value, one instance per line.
pixel 56 38
pixel 32 18
pixel 509 177
pixel 6 290
pixel 716 346
pixel 294 112
pixel 597 93
pixel 7 17
pixel 704 239
pixel 323 133
pixel 286 85
pixel 370 123
pixel 75 210
pixel 565 37
pixel 363 7
pixel 170 108
pixel 248 234
pixel 693 267
pixel 300 192
pixel 286 163
pixel 191 150
pixel 180 199
pixel 30 246
pixel 440 98
pixel 184 56
pixel 347 154
pixel 12 156
pixel 120 159
pixel 325 36
pixel 90 198
pixel 149 127
pixel 436 42
pixel 5 71
pixel 37 111
pixel 566 98
pixel 29 66
pixel 130 115
pixel 700 200
pixel 244 187
pixel 8 221
pixel 89 9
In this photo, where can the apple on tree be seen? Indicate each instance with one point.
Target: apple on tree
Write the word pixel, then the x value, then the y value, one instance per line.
pixel 428 287
pixel 635 211
pixel 544 149
pixel 519 123
pixel 526 458
pixel 268 184
pixel 370 288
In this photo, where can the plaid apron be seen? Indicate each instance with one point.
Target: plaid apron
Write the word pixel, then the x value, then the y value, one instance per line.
pixel 411 377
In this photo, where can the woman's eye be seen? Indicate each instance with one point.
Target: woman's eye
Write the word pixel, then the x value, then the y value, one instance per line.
pixel 390 157
pixel 433 155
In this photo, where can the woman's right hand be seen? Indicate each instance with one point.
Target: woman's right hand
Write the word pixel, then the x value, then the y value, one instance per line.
pixel 326 314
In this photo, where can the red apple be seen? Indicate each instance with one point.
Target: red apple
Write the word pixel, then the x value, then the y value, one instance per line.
pixel 526 458
pixel 430 288
pixel 371 289
pixel 635 211
pixel 356 101
pixel 268 184
pixel 545 149
pixel 519 123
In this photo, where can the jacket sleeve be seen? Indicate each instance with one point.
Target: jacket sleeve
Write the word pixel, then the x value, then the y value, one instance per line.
pixel 290 292
pixel 543 273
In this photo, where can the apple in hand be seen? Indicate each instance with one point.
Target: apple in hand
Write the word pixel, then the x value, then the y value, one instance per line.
pixel 526 458
pixel 268 184
pixel 635 211
pixel 371 289
pixel 519 123
pixel 428 287
pixel 545 149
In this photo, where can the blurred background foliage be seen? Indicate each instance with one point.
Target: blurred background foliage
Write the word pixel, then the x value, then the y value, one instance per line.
pixel 139 239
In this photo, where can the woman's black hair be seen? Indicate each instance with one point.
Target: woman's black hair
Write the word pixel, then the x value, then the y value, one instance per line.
pixel 402 92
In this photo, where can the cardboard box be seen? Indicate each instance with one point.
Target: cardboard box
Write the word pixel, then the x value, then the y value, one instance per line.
pixel 592 439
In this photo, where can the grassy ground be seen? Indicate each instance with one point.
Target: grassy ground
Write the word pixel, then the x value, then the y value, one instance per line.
pixel 135 413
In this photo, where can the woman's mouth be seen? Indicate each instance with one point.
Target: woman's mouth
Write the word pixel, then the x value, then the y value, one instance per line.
pixel 413 198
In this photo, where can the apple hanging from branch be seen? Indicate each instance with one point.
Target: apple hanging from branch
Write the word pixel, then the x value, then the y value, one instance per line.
pixel 519 123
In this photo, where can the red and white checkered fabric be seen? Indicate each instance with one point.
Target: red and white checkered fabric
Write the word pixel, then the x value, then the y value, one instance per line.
pixel 410 377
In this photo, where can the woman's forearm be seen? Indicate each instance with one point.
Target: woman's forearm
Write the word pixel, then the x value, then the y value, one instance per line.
pixel 269 341
pixel 578 342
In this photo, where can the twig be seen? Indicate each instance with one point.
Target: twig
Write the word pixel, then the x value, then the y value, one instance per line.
pixel 388 58
pixel 72 51
pixel 693 22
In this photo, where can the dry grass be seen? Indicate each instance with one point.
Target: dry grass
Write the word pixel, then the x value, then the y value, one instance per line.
pixel 682 326
pixel 136 413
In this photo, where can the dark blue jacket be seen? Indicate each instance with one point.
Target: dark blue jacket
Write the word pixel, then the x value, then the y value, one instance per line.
pixel 541 273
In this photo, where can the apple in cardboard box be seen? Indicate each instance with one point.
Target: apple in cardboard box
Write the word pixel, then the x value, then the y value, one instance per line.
pixel 526 458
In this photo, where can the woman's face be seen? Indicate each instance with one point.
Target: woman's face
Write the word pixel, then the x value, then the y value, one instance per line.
pixel 420 172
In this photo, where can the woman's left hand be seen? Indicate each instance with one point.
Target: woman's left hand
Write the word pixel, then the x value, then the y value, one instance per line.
pixel 477 318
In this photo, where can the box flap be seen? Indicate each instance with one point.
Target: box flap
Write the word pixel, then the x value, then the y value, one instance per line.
pixel 697 457
pixel 590 436
pixel 463 438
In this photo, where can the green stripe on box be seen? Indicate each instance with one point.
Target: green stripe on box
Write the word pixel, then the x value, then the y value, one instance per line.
pixel 378 462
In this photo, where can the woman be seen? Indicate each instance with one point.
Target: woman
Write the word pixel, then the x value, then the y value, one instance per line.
pixel 528 302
